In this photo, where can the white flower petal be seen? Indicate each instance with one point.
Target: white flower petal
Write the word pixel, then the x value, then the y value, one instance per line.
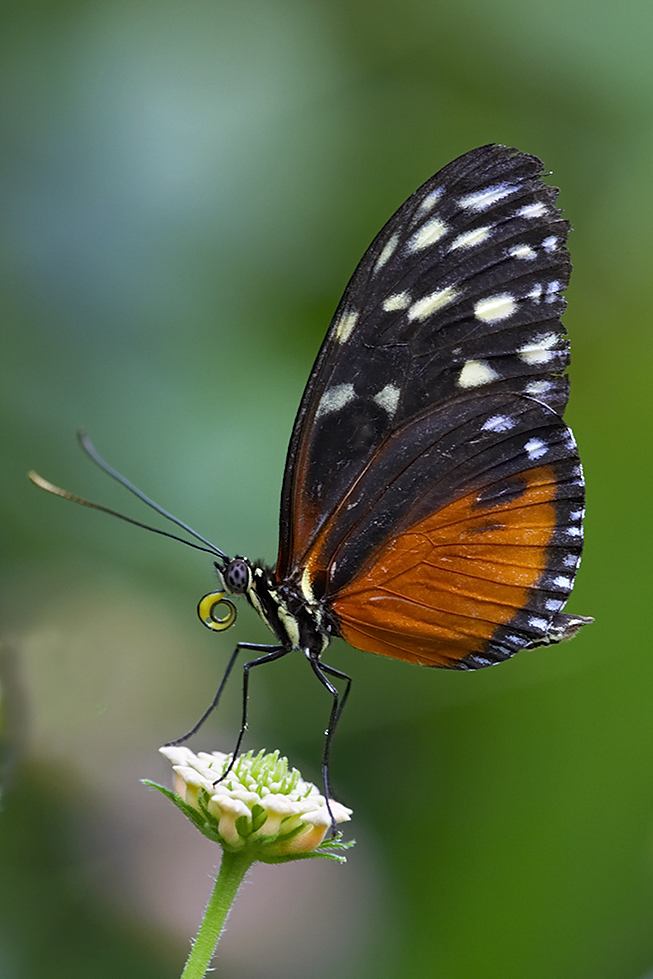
pixel 256 782
pixel 177 754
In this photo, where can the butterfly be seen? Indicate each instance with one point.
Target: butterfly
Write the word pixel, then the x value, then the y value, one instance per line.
pixel 433 497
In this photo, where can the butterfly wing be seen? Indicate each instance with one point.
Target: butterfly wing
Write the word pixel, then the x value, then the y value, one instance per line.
pixel 433 496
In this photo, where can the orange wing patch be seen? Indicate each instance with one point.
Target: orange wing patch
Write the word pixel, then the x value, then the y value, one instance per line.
pixel 439 591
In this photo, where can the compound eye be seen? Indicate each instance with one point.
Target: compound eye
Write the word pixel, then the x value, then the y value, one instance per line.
pixel 216 611
pixel 237 576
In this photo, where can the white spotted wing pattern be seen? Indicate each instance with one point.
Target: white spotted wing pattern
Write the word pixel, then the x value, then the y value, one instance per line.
pixel 438 394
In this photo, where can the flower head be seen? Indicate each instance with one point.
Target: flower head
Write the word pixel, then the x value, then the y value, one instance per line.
pixel 262 805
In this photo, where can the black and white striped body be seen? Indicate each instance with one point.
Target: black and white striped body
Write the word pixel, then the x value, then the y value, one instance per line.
pixel 298 621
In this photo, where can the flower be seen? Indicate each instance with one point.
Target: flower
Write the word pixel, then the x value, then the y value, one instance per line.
pixel 262 805
pixel 261 810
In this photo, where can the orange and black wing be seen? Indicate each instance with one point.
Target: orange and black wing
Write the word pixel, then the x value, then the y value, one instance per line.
pixel 433 496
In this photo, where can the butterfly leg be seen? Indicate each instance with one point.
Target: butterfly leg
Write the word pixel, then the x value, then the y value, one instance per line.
pixel 271 653
pixel 322 672
pixel 216 700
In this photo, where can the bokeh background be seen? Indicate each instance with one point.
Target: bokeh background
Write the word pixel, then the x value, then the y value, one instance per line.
pixel 187 188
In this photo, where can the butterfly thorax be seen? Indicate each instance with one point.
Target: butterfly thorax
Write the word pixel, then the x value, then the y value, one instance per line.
pixel 296 622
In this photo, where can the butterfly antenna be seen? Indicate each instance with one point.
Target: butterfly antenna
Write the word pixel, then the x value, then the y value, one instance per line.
pixel 93 454
pixel 49 487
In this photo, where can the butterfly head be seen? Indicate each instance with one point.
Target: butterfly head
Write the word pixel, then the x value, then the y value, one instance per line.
pixel 237 575
pixel 215 610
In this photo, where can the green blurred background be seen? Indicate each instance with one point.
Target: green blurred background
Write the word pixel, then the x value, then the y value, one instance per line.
pixel 187 188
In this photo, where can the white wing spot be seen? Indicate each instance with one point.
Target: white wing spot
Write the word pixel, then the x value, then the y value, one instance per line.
pixel 553 604
pixel 335 399
pixel 538 350
pixel 538 387
pixel 536 293
pixel 571 561
pixel 562 582
pixel 483 199
pixel 574 532
pixel 550 244
pixel 522 251
pixel 475 373
pixel 432 303
pixel 552 291
pixel 531 210
pixel 499 423
pixel 430 201
pixel 346 324
pixel 427 235
pixel 388 398
pixel 495 308
pixel 470 238
pixel 577 515
pixel 536 623
pixel 535 448
pixel 512 640
pixel 399 301
pixel 388 249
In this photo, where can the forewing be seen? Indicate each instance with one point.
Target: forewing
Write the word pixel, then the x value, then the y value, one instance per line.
pixel 461 292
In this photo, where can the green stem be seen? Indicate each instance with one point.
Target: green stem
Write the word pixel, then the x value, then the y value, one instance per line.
pixel 233 868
